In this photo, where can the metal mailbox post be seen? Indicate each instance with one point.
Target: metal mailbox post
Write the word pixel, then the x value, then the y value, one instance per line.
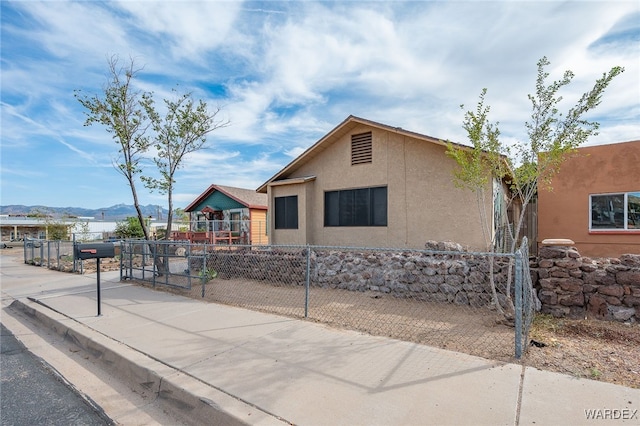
pixel 95 251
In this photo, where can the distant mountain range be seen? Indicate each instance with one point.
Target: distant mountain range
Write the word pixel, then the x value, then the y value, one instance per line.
pixel 116 212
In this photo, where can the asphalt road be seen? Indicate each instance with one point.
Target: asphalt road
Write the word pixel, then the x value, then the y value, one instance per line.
pixel 32 393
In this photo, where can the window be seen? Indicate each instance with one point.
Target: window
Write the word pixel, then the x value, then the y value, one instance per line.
pixel 361 148
pixel 356 207
pixel 286 215
pixel 234 217
pixel 615 211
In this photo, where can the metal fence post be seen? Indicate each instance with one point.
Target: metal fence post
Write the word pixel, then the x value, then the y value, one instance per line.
pixel 307 282
pixel 73 239
pixel 204 268
pixel 154 267
pixel 165 262
pixel 121 258
pixel 187 255
pixel 518 304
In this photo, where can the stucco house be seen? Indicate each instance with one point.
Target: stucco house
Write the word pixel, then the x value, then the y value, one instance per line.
pixel 367 184
pixel 226 214
pixel 595 201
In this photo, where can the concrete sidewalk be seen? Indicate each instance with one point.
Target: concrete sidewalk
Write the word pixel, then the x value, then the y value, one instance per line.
pixel 215 364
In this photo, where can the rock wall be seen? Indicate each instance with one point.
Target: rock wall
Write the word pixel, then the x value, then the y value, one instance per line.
pixel 459 277
pixel 569 285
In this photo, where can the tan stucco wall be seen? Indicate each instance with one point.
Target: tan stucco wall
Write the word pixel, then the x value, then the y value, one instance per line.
pixel 423 203
pixel 564 211
pixel 298 236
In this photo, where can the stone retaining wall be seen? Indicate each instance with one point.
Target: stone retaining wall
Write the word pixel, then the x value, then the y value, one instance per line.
pixel 569 285
pixel 458 279
pixel 461 278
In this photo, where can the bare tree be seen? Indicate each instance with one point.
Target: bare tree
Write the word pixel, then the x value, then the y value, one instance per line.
pixel 181 131
pixel 120 110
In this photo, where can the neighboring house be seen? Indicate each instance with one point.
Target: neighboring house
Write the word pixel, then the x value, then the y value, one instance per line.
pixel 366 184
pixel 17 228
pixel 224 214
pixel 595 201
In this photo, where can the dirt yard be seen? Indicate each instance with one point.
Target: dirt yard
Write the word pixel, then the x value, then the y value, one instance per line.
pixel 600 350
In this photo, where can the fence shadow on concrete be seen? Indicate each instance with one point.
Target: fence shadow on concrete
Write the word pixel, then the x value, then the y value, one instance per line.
pixel 438 298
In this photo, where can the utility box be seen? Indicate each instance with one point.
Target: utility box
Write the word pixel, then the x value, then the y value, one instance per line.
pixel 94 250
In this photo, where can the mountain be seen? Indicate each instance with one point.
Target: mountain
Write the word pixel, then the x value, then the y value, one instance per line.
pixel 115 212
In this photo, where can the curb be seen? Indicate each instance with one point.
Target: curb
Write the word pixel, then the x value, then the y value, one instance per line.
pixel 186 397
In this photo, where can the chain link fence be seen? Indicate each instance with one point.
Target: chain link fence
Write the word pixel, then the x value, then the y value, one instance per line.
pixel 527 302
pixel 59 254
pixel 477 303
pixel 162 263
pixel 52 254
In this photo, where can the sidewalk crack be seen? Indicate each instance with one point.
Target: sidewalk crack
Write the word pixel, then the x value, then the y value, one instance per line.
pixel 520 390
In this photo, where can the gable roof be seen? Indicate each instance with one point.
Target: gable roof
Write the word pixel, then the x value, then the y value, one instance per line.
pixel 340 130
pixel 247 197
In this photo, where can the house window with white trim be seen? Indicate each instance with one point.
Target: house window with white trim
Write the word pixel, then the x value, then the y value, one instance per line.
pixel 617 212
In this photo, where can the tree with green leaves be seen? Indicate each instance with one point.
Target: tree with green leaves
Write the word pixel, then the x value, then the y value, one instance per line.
pixel 82 231
pixel 181 215
pixel 129 228
pixel 478 165
pixel 120 110
pixel 552 136
pixel 55 228
pixel 181 131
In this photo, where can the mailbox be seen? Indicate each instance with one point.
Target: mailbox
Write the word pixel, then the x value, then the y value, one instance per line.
pixel 94 251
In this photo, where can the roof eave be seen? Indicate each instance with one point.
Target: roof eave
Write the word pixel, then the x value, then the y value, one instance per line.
pixel 199 199
pixel 352 118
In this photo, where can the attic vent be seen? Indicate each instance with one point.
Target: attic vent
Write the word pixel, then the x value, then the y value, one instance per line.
pixel 361 148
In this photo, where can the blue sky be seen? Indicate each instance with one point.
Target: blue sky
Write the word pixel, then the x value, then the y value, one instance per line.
pixel 285 74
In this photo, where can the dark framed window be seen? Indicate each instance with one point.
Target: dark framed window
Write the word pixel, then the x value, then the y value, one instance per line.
pixel 615 211
pixel 286 214
pixel 234 218
pixel 356 207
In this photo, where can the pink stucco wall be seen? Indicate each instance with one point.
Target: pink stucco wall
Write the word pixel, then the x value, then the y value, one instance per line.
pixel 564 211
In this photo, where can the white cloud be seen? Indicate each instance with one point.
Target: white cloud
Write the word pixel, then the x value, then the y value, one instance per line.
pixel 74 31
pixel 189 27
pixel 288 72
pixel 295 152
